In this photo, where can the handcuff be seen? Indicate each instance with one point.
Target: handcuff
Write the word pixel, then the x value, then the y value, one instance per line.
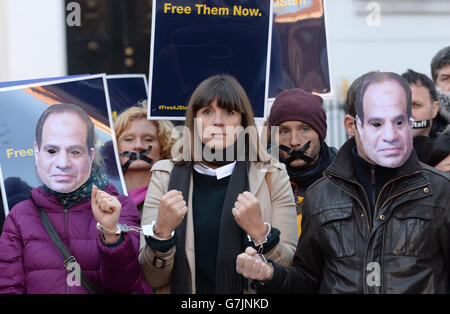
pixel 259 243
pixel 147 230
pixel 120 228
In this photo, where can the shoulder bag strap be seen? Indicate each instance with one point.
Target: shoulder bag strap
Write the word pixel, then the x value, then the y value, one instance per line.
pixel 69 259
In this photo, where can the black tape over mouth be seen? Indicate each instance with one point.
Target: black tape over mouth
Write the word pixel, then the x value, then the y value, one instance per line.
pixel 421 124
pixel 133 156
pixel 296 154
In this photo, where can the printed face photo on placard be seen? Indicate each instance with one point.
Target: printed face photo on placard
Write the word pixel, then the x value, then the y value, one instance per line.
pixel 61 151
pixel 384 126
pixel 299 53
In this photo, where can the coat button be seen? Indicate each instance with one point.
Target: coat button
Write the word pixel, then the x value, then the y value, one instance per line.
pixel 382 217
pixel 426 190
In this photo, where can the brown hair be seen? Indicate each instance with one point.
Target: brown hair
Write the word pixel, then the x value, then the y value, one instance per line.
pixel 230 95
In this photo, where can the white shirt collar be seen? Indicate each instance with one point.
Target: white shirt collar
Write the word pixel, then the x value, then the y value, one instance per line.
pixel 220 172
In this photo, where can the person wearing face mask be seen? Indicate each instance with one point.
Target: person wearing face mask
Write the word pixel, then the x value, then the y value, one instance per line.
pixel 76 204
pixel 223 192
pixel 379 220
pixel 299 121
pixel 141 143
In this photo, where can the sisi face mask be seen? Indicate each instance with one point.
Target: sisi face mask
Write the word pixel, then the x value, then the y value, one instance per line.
pixel 389 144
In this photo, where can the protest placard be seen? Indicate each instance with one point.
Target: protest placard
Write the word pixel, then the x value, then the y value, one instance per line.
pixel 299 55
pixel 126 90
pixel 195 39
pixel 23 105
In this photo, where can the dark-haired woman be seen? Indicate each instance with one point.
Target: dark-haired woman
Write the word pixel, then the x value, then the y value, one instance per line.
pixel 222 193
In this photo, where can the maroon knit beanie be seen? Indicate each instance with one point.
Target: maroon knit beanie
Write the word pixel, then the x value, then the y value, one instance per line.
pixel 299 105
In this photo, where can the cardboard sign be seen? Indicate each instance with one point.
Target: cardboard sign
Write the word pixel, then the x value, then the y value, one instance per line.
pixel 196 39
pixel 21 108
pixel 125 91
pixel 299 55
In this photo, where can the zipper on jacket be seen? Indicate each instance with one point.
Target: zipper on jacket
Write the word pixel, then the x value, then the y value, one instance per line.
pixel 375 207
pixel 356 198
pixel 372 174
pixel 389 182
pixel 375 215
pixel 411 189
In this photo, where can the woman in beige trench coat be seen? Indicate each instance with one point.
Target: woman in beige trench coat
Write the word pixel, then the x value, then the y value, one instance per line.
pixel 222 193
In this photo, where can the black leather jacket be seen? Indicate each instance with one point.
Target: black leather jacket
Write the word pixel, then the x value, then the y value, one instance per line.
pixel 404 248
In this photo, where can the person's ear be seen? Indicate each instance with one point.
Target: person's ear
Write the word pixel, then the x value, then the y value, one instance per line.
pixel 350 125
pixel 434 109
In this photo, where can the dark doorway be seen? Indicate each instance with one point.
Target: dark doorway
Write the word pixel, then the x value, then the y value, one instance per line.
pixel 114 37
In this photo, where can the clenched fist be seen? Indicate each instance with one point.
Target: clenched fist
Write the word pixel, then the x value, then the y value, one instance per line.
pixel 247 213
pixel 250 265
pixel 172 210
pixel 106 210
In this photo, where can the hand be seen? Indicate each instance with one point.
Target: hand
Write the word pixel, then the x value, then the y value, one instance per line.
pixel 172 210
pixel 444 164
pixel 106 210
pixel 247 213
pixel 250 265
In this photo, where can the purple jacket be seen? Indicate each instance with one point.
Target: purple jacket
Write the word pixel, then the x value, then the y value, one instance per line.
pixel 30 262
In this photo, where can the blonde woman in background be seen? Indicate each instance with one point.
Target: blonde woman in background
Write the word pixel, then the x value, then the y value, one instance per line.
pixel 141 143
